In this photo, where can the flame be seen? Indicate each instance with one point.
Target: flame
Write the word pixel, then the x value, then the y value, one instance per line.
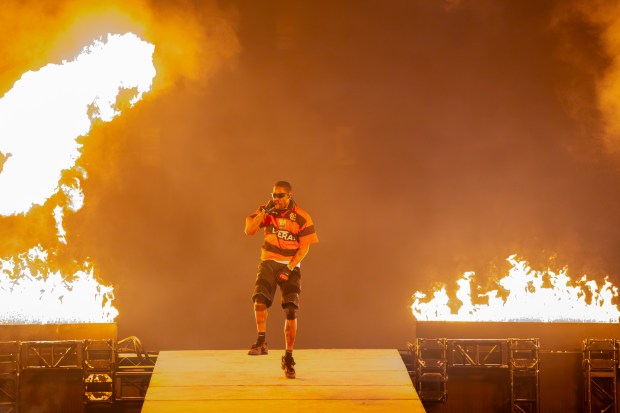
pixel 540 296
pixel 45 112
pixel 41 119
pixel 31 293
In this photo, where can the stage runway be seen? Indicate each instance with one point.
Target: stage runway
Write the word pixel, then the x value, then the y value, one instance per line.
pixel 230 381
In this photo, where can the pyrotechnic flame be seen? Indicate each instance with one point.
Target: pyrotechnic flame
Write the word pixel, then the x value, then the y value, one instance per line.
pixel 45 112
pixel 31 293
pixel 529 298
pixel 41 118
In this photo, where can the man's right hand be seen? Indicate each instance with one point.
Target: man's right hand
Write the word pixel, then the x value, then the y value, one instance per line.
pixel 268 207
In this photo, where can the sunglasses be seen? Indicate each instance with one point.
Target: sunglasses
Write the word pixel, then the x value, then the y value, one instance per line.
pixel 281 195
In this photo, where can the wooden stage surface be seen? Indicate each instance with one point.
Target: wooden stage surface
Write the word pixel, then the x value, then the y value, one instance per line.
pixel 230 381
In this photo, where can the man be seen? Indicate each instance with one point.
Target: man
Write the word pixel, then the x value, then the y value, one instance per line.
pixel 288 231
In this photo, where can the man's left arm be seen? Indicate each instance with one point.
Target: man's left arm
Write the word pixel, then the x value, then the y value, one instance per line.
pixel 307 236
pixel 301 253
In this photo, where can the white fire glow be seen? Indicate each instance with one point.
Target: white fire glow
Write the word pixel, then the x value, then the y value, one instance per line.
pixel 41 119
pixel 45 112
pixel 31 293
pixel 534 296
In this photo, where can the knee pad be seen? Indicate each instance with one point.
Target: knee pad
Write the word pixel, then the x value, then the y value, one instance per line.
pixel 291 312
pixel 260 304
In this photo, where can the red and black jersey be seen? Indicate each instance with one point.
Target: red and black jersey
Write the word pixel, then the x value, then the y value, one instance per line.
pixel 285 232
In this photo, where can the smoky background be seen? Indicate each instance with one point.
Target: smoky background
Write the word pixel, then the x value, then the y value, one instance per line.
pixel 425 138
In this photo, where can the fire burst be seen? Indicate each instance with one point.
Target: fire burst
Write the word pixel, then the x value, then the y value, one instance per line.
pixel 45 112
pixel 539 296
pixel 30 293
pixel 41 119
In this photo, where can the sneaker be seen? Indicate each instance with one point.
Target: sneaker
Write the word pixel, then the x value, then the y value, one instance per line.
pixel 287 365
pixel 258 349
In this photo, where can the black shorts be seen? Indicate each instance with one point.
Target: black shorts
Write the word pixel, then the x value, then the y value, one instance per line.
pixel 266 284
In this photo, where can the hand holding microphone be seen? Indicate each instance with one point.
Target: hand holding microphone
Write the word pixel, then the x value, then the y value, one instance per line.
pixel 268 207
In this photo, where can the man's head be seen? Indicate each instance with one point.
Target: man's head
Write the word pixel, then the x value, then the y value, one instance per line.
pixel 281 194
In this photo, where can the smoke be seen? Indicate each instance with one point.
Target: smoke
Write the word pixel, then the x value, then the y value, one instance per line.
pixel 42 116
pixel 48 100
pixel 590 44
pixel 192 40
pixel 586 43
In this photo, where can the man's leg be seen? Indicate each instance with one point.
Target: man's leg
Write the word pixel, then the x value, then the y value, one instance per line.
pixel 290 331
pixel 290 303
pixel 262 297
pixel 260 314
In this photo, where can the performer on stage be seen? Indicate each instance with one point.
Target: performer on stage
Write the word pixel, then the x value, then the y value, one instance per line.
pixel 288 231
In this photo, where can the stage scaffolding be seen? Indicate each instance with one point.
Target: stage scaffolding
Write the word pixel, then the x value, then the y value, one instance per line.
pixel 111 376
pixel 433 359
pixel 600 363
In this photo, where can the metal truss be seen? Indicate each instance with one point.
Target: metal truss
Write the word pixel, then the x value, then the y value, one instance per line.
pixel 524 365
pixel 114 373
pixel 519 357
pixel 600 361
pixel 61 355
pixel 134 370
pixel 9 380
pixel 99 367
pixel 477 353
pixel 431 363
